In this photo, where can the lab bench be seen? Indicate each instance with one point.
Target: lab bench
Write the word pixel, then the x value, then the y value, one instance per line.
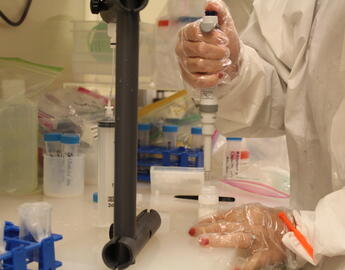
pixel 171 248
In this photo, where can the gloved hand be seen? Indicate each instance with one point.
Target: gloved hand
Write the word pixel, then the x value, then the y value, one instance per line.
pixel 207 59
pixel 253 227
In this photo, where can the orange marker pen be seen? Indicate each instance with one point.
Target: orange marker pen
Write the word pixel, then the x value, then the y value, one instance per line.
pixel 300 237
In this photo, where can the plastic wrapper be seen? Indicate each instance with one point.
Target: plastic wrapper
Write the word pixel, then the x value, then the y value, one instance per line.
pixel 35 220
pixel 72 110
pixel 37 77
pixel 178 109
pixel 2 241
pixel 255 229
pixel 209 59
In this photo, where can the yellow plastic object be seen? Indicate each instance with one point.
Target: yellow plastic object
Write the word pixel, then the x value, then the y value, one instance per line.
pixel 155 107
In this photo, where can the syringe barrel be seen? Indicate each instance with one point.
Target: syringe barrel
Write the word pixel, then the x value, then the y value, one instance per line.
pixel 106 156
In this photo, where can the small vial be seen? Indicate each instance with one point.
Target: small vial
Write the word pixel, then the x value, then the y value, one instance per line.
pixel 53 144
pixel 144 135
pixel 197 139
pixel 208 201
pixel 70 145
pixel 232 158
pixel 170 136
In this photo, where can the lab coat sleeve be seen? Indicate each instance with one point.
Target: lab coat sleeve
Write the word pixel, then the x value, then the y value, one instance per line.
pixel 252 104
pixel 324 229
pixel 273 43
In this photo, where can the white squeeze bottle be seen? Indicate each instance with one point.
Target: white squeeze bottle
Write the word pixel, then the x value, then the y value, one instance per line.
pixel 18 139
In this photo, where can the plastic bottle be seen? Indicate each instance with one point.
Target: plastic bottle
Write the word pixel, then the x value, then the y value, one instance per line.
pixel 18 140
pixel 232 158
pixel 208 201
pixel 170 136
pixel 144 135
pixel 197 139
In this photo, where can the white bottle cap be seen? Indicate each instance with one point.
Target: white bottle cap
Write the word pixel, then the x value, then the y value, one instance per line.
pixel 209 196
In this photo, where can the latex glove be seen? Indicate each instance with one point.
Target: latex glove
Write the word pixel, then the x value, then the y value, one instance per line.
pixel 253 227
pixel 207 59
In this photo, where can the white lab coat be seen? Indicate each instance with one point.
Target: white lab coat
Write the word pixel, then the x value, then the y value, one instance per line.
pixel 292 81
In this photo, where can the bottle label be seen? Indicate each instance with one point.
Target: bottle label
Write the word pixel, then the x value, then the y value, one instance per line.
pixel 233 164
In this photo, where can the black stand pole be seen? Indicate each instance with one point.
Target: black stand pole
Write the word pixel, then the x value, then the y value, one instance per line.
pixel 131 233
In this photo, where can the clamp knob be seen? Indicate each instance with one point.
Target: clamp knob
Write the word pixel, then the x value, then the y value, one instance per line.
pixel 97 6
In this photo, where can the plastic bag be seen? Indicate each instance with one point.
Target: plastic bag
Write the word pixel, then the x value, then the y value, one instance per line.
pixel 178 109
pixel 35 220
pixel 37 77
pixel 72 110
pixel 267 172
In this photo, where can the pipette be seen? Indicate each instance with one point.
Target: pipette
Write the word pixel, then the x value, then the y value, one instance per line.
pixel 208 102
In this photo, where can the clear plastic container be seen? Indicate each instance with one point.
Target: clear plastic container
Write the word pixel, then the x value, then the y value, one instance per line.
pixel 232 159
pixel 63 176
pixel 106 161
pixel 208 201
pixel 144 134
pixel 35 220
pixel 70 145
pixel 176 180
pixel 53 144
pixel 18 140
pixel 170 136
pixel 197 139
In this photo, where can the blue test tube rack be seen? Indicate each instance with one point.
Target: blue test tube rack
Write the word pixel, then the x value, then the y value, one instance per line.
pixel 20 253
pixel 160 156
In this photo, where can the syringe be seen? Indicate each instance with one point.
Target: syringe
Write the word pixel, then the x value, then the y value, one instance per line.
pixel 208 102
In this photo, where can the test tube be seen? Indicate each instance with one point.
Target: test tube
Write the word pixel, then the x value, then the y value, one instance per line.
pixel 144 134
pixel 170 135
pixel 53 144
pixel 197 139
pixel 70 145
